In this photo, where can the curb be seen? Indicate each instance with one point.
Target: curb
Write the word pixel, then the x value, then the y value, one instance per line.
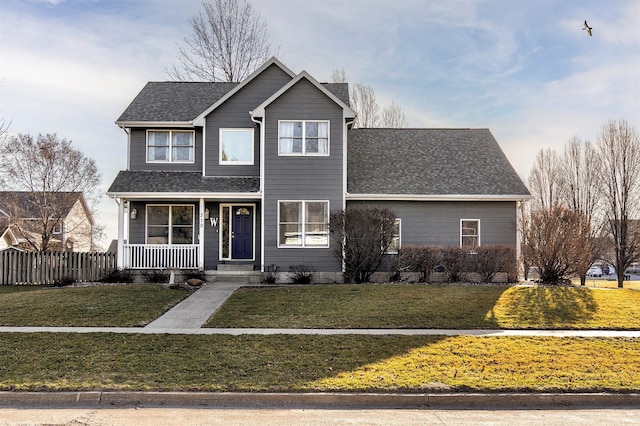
pixel 318 400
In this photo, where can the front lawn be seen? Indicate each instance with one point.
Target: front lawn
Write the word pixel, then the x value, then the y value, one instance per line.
pixel 299 363
pixel 429 306
pixel 98 306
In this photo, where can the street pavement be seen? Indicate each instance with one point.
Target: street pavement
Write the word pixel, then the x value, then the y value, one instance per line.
pixel 142 416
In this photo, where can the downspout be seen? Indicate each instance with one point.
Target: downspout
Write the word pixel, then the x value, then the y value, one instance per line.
pixel 345 140
pixel 261 188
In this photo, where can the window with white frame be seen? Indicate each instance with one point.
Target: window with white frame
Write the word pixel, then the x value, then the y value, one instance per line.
pixel 469 233
pixel 303 224
pixel 394 247
pixel 170 146
pixel 303 137
pixel 236 146
pixel 170 224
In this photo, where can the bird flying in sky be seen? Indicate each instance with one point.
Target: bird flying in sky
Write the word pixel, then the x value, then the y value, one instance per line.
pixel 587 27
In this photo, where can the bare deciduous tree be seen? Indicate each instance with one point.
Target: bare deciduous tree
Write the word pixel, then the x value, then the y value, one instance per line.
pixel 580 192
pixel 52 172
pixel 554 241
pixel 363 101
pixel 339 76
pixel 228 42
pixel 393 116
pixel 619 151
pixel 545 180
pixel 364 235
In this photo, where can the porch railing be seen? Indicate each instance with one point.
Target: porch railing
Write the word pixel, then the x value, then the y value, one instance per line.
pixel 161 256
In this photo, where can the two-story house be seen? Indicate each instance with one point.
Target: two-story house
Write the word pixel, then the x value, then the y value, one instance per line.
pixel 247 174
pixel 65 216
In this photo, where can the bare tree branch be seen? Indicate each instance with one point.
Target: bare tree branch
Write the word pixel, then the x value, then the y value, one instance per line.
pixel 228 42
pixel 363 102
pixel 619 151
pixel 545 180
pixel 393 117
pixel 44 177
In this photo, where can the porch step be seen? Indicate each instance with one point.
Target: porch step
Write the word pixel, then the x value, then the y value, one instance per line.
pixel 234 267
pixel 234 276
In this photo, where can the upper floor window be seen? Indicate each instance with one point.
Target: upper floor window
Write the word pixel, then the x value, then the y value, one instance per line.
pixel 170 146
pixel 236 146
pixel 303 224
pixel 170 224
pixel 470 233
pixel 303 138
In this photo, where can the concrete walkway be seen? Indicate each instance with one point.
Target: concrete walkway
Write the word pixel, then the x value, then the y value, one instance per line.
pixel 196 309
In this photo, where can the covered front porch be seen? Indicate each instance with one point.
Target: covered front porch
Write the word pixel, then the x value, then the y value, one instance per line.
pixel 189 234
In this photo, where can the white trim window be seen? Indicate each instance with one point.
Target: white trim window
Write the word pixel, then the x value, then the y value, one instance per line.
pixel 236 146
pixel 303 224
pixel 394 247
pixel 170 224
pixel 303 137
pixel 470 233
pixel 170 146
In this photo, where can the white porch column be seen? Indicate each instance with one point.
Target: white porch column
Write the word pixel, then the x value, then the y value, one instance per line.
pixel 121 219
pixel 201 235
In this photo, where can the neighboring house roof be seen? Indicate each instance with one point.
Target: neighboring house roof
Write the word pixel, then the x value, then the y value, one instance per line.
pixel 28 205
pixel 429 162
pixel 171 101
pixel 161 182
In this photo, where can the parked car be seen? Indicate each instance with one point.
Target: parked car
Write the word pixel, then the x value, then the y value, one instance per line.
pixel 594 271
pixel 634 268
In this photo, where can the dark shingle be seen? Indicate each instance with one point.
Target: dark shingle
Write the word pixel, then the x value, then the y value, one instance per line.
pixel 184 101
pixel 174 182
pixel 174 101
pixel 429 162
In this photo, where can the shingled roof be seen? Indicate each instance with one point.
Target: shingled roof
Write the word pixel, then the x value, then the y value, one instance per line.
pixel 166 101
pixel 429 162
pixel 185 182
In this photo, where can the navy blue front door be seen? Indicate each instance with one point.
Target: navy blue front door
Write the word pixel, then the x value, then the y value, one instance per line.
pixel 242 232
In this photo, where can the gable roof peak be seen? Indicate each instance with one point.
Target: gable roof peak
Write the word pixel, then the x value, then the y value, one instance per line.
pixel 259 110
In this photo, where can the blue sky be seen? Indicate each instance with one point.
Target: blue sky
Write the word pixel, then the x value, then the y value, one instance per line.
pixel 523 68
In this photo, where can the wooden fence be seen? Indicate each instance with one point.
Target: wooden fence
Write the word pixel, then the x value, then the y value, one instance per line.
pixel 17 267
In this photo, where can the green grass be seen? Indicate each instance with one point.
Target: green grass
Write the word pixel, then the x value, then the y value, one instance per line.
pixel 106 306
pixel 109 361
pixel 429 306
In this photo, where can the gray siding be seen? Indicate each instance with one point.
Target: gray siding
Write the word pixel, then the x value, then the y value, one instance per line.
pixel 138 154
pixel 438 223
pixel 301 178
pixel 234 113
